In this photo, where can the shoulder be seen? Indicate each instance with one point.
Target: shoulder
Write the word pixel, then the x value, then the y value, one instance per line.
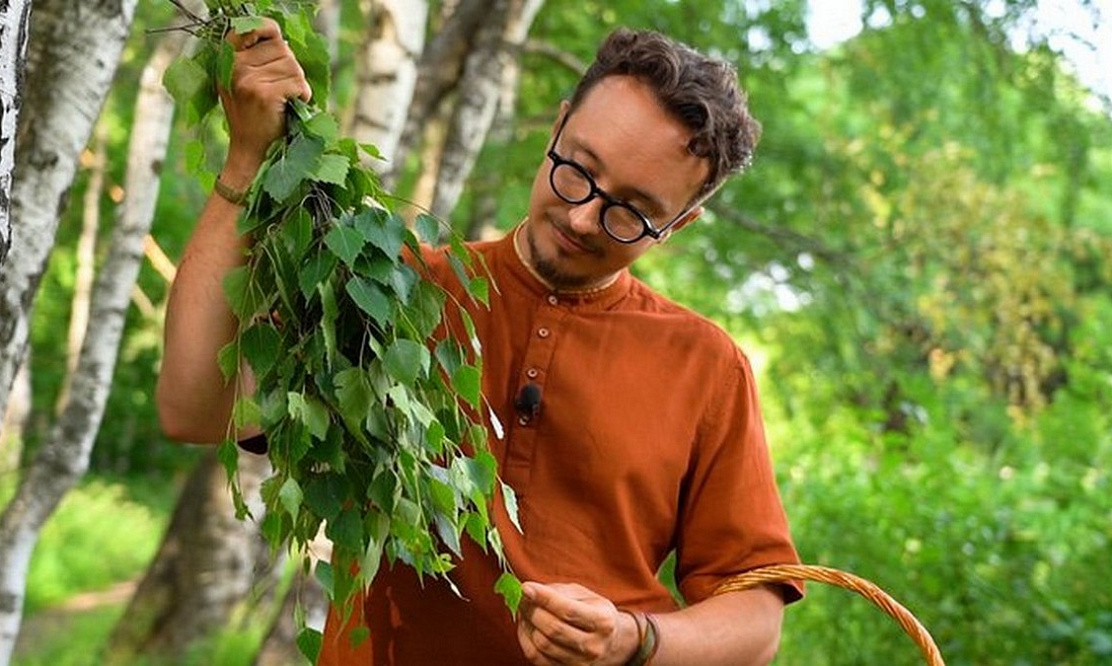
pixel 704 336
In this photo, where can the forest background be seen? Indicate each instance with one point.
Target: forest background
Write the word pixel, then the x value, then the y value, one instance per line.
pixel 917 262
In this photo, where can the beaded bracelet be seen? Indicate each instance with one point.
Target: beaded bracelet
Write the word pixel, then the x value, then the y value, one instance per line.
pixel 233 196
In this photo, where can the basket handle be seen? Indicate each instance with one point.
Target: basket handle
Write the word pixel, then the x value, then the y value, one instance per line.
pixel 780 573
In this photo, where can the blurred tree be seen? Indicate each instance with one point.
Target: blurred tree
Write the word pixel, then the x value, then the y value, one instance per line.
pixel 73 55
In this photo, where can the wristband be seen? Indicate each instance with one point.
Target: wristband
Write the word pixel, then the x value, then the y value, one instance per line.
pixel 232 196
pixel 647 639
pixel 652 636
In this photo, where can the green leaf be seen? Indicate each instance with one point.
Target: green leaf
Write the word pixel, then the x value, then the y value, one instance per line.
pixel 449 534
pixel 325 495
pixel 309 642
pixel 372 151
pixel 237 290
pixel 403 279
pixel 383 230
pixel 228 455
pixel 244 24
pixel 323 126
pixel 509 587
pixel 261 344
pixel 482 470
pixel 315 271
pixel 300 160
pixel 346 531
pixel 297 232
pixel 443 496
pixel 309 411
pixel 509 497
pixel 354 397
pixel 291 497
pixel 467 381
pixel 189 84
pixel 246 412
pixel 345 242
pixel 376 527
pixel 479 288
pixel 405 360
pixel 225 60
pixel 330 312
pixel 228 360
pixel 428 228
pixel 323 573
pixel 370 299
pixel 332 169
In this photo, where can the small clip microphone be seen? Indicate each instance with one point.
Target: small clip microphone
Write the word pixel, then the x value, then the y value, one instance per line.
pixel 528 402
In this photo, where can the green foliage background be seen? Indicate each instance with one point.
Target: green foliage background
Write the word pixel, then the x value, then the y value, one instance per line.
pixel 917 261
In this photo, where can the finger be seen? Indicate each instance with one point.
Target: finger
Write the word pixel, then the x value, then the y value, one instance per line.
pixel 268 31
pixel 541 648
pixel 568 609
pixel 558 640
pixel 273 63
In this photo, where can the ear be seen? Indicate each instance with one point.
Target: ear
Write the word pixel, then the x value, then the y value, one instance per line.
pixel 689 217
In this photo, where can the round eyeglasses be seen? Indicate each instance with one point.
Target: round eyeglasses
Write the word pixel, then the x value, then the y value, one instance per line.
pixel 620 220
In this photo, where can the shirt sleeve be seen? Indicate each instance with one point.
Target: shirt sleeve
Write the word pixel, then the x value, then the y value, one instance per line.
pixel 732 519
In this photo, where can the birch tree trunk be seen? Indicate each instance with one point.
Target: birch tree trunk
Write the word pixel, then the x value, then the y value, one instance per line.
pixel 491 59
pixel 72 55
pixel 501 129
pixel 388 74
pixel 74 52
pixel 438 73
pixel 14 28
pixel 94 159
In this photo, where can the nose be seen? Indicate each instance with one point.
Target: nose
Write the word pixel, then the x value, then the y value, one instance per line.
pixel 585 218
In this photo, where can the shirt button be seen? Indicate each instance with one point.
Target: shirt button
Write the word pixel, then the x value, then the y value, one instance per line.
pixel 552 300
pixel 523 420
pixel 543 332
pixel 532 373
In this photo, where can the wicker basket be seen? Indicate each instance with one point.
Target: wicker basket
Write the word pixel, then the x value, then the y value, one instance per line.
pixel 785 572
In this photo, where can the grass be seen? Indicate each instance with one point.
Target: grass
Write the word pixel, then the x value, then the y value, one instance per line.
pixel 100 535
pixel 66 638
pixel 103 533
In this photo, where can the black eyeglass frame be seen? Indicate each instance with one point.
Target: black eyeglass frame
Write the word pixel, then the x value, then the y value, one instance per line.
pixel 609 200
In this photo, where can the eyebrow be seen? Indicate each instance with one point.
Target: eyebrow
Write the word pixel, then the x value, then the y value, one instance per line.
pixel 638 193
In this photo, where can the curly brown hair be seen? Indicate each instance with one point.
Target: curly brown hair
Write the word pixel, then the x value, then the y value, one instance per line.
pixel 702 92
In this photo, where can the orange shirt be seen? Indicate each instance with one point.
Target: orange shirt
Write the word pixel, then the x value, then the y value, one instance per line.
pixel 648 438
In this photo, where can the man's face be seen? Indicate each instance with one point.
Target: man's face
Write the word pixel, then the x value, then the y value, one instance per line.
pixel 637 154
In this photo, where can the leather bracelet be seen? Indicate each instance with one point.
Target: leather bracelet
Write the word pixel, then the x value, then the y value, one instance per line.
pixel 647 639
pixel 232 196
pixel 652 635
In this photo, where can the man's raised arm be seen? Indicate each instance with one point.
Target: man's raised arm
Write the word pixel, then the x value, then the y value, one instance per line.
pixel 194 400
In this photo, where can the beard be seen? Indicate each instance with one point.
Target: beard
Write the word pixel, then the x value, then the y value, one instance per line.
pixel 548 267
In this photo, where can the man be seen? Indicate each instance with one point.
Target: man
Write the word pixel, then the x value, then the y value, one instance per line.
pixel 633 428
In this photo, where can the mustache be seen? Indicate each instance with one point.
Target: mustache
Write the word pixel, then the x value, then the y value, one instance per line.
pixel 592 245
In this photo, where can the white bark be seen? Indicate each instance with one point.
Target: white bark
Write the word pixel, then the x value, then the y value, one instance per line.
pixel 388 74
pixel 439 71
pixel 495 49
pixel 86 260
pixel 487 190
pixel 14 29
pixel 74 52
pixel 15 420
